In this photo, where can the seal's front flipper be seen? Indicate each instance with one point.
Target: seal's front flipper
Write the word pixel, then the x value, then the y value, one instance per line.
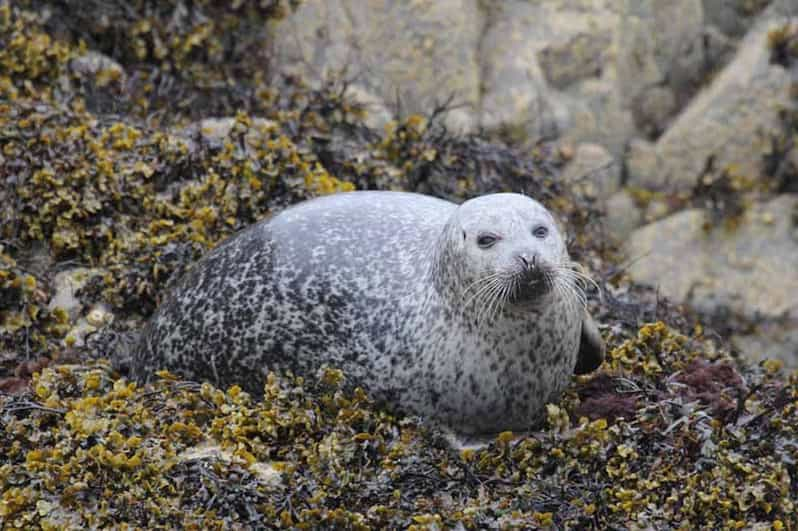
pixel 591 347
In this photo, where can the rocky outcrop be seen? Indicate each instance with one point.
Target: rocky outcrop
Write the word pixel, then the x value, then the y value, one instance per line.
pixel 749 269
pixel 593 172
pixel 547 71
pixel 585 71
pixel 726 126
pixel 729 145
pixel 409 54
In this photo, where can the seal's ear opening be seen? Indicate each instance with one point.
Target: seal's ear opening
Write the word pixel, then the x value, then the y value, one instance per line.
pixel 591 347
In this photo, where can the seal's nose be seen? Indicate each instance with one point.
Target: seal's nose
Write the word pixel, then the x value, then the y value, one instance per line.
pixel 532 279
pixel 529 260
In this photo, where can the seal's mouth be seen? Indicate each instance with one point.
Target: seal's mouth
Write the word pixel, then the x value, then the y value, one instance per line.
pixel 531 285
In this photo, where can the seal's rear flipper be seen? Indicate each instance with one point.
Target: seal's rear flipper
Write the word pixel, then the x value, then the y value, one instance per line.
pixel 591 347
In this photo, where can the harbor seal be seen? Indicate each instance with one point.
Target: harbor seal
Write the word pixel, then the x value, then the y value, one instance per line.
pixel 469 315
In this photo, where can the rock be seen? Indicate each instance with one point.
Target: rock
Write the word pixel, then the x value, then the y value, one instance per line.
pixel 378 115
pixel 642 163
pixel 656 209
pixel 601 72
pixel 670 254
pixel 622 215
pixel 214 131
pixel 66 284
pixel 660 56
pixel 729 123
pixel 750 270
pixel 733 17
pixel 416 52
pixel 208 451
pixel 98 66
pixel 597 113
pixel 772 342
pixel 548 71
pixel 515 94
pixel 593 172
pixel 582 57
pixel 652 110
pixel 719 48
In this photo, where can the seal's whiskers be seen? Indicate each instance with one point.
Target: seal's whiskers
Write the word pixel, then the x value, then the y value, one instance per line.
pixel 571 281
pixel 484 314
pixel 484 286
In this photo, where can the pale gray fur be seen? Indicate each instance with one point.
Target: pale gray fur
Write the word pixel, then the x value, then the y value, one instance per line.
pixel 381 284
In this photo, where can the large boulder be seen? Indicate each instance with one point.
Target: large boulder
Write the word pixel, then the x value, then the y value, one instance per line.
pixel 726 127
pixel 661 58
pixel 409 54
pixel 547 71
pixel 748 270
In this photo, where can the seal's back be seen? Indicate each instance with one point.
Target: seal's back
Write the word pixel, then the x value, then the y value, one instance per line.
pixel 310 281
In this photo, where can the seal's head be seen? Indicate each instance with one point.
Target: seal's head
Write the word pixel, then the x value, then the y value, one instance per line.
pixel 507 251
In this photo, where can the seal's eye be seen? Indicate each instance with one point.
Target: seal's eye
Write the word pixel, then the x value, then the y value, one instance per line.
pixel 486 240
pixel 540 231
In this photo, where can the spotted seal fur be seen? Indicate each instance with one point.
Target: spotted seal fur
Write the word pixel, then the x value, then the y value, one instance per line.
pixel 469 315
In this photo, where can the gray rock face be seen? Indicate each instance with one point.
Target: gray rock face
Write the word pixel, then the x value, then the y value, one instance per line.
pixel 601 71
pixel 750 270
pixel 733 17
pixel 670 254
pixel 653 108
pixel 622 216
pixel 548 70
pixel 661 57
pixel 535 69
pixel 771 342
pixel 593 172
pixel 727 124
pixel 515 94
pixel 582 57
pixel 418 52
pixel 642 164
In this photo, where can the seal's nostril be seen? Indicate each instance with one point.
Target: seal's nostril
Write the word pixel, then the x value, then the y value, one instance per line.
pixel 529 260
